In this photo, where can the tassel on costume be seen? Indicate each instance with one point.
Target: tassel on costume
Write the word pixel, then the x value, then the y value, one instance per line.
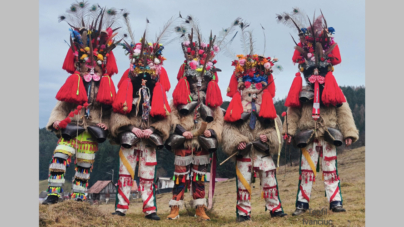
pixel 271 86
pixel 292 100
pixel 111 67
pixel 123 78
pixel 181 94
pixel 213 95
pixel 163 79
pixel 232 89
pixel 181 72
pixel 159 102
pixel 177 182
pixel 68 64
pixel 332 93
pixel 73 90
pixel 183 179
pixel 235 109
pixel 106 91
pixel 267 107
pixel 123 100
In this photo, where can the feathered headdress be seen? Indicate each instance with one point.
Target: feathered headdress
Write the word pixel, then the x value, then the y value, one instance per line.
pixel 316 54
pixel 145 59
pixel 252 70
pixel 199 60
pixel 91 43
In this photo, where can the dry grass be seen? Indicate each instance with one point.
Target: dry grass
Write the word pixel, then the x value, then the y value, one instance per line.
pixel 351 170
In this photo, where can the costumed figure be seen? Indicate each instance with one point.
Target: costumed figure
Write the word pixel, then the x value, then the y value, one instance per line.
pixel 251 132
pixel 318 118
pixel 81 116
pixel 140 121
pixel 196 120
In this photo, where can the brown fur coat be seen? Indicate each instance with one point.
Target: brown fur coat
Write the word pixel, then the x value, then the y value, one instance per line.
pixel 334 117
pixel 120 123
pixel 235 133
pixel 188 123
pixel 62 110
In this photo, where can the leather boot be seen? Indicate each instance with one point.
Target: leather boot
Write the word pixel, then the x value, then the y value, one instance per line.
pixel 200 212
pixel 336 206
pixel 51 199
pixel 175 213
pixel 300 208
pixel 118 213
pixel 243 218
pixel 278 214
pixel 153 216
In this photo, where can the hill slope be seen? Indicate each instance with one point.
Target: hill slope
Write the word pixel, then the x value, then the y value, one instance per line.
pixel 352 172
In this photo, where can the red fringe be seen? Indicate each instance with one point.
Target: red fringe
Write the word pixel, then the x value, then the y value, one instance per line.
pixel 164 79
pixel 235 109
pixel 182 92
pixel 336 56
pixel 332 93
pixel 213 95
pixel 68 92
pixel 68 64
pixel 271 86
pixel 124 97
pixel 232 89
pixel 106 91
pixel 292 100
pixel 111 67
pixel 181 72
pixel 123 78
pixel 267 106
pixel 159 100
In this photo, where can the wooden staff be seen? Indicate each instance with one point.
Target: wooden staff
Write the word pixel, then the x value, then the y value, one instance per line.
pixel 227 159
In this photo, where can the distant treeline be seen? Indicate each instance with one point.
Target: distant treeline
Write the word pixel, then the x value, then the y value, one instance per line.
pixel 107 157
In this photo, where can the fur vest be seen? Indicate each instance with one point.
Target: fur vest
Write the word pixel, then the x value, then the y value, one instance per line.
pixel 188 123
pixel 334 117
pixel 234 133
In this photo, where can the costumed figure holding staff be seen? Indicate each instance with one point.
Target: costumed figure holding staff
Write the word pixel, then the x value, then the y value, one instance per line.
pixel 140 121
pixel 251 133
pixel 196 120
pixel 318 116
pixel 81 116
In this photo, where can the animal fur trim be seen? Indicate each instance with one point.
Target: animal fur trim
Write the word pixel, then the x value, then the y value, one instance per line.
pixel 179 203
pixel 334 117
pixel 187 122
pixel 201 160
pixel 57 167
pixel 85 156
pixel 183 160
pixel 198 172
pixel 56 181
pixel 82 176
pixel 199 202
pixel 78 189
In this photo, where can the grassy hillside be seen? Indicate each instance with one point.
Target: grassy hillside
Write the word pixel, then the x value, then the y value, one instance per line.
pixel 352 172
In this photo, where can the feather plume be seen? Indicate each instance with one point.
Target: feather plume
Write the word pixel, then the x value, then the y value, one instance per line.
pixel 227 31
pixel 244 36
pixel 265 40
pixel 251 42
pixel 226 48
pixel 165 31
pixel 130 32
pixel 195 26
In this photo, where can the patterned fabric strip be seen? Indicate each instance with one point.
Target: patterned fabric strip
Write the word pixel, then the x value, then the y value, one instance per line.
pixel 306 154
pixel 243 180
pixel 127 164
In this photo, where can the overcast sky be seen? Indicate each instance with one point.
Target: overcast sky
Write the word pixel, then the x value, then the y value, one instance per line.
pixel 347 17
